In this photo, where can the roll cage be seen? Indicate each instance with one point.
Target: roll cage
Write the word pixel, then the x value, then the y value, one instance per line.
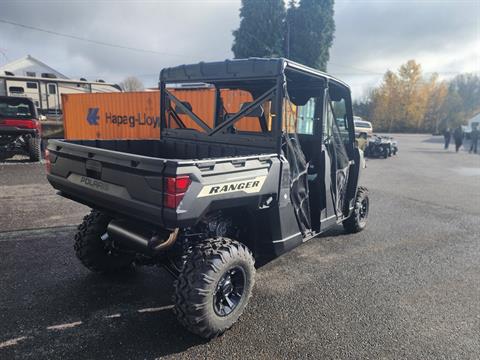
pixel 274 80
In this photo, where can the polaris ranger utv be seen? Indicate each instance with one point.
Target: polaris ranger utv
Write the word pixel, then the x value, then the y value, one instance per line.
pixel 220 188
pixel 19 128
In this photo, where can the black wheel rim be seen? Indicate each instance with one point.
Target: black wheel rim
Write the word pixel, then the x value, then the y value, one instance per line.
pixel 363 210
pixel 229 291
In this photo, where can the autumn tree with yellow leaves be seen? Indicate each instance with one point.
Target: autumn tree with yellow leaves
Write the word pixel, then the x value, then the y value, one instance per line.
pixel 408 101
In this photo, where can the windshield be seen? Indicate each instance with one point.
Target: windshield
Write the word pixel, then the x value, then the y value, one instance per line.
pixel 16 108
pixel 233 108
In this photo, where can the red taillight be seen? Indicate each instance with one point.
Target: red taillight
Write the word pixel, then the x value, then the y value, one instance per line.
pixel 48 164
pixel 175 189
pixel 182 184
pixel 23 124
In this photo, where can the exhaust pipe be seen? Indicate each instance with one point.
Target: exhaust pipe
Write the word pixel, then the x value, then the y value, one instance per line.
pixel 133 238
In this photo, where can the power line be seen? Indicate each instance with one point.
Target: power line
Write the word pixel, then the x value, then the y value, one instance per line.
pixel 75 37
pixel 102 43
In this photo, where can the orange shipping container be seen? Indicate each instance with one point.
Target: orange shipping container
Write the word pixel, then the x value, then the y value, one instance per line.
pixel 133 115
pixel 136 115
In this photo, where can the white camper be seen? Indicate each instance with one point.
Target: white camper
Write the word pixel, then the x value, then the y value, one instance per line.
pixel 31 78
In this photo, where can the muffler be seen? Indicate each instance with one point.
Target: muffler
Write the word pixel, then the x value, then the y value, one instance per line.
pixel 142 240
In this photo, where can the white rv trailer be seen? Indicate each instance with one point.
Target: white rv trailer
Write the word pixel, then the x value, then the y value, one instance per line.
pixel 46 91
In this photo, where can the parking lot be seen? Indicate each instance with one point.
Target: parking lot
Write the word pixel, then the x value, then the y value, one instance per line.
pixel 406 287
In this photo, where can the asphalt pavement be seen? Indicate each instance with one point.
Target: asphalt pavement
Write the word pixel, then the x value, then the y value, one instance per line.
pixel 406 287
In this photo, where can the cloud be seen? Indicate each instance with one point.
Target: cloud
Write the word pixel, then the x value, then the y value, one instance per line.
pixel 183 31
pixel 371 36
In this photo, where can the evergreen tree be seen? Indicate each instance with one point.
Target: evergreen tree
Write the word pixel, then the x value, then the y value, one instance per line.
pixel 310 29
pixel 261 29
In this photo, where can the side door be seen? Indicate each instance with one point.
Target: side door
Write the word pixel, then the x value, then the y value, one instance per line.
pixel 336 137
pixel 52 97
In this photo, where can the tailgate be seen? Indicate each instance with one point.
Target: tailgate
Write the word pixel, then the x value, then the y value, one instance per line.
pixel 118 182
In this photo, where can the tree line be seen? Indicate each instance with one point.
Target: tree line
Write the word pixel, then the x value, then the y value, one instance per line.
pixel 410 101
pixel 303 31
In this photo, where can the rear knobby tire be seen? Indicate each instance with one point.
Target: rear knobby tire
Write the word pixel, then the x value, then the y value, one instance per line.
pixel 203 303
pixel 34 148
pixel 94 253
pixel 358 219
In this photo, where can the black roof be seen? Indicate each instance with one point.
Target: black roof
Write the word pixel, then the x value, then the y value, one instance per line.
pixel 238 69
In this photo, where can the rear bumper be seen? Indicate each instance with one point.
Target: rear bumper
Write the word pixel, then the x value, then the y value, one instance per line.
pixel 113 199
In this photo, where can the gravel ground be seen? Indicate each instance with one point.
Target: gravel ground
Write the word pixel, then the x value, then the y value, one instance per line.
pixel 406 287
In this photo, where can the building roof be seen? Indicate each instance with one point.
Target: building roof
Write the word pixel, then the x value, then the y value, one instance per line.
pixel 28 63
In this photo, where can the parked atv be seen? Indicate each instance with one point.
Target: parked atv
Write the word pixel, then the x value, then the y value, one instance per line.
pixel 216 194
pixel 19 128
pixel 378 147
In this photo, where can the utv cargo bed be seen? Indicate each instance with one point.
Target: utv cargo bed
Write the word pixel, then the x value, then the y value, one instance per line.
pixel 127 177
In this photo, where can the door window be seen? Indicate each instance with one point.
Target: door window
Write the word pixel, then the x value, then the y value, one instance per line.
pixel 340 112
pixel 52 89
pixel 336 133
pixel 306 117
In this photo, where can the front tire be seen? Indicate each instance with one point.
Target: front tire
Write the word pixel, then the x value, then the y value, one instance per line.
pixel 214 286
pixel 96 254
pixel 34 148
pixel 358 219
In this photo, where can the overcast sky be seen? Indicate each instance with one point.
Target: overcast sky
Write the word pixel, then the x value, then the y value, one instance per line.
pixel 371 36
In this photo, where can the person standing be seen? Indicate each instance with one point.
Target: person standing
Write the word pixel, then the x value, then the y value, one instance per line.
pixel 474 138
pixel 447 135
pixel 458 137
